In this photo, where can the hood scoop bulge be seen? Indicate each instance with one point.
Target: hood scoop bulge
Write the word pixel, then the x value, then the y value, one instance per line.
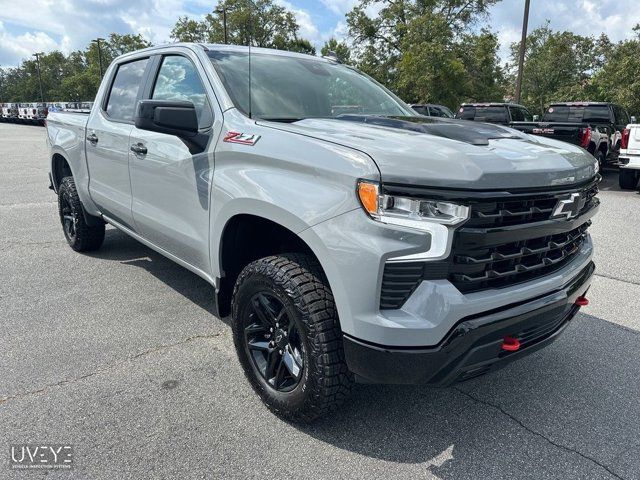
pixel 473 133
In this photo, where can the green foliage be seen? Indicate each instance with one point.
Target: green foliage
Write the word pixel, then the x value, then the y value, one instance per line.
pixel 557 67
pixel 619 78
pixel 426 51
pixel 75 77
pixel 342 51
pixel 264 23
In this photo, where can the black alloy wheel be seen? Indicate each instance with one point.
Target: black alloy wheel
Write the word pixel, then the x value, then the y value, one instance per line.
pixel 273 342
pixel 68 217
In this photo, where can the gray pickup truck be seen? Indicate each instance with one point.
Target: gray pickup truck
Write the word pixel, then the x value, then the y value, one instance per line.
pixel 350 239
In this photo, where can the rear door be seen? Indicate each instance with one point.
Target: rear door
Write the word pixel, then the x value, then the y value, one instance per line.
pixel 172 186
pixel 107 142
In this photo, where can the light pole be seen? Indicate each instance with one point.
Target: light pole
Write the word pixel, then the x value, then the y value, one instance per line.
pixel 523 42
pixel 223 11
pixel 37 55
pixel 97 41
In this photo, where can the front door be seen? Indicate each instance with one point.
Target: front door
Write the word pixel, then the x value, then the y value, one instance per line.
pixel 107 143
pixel 171 186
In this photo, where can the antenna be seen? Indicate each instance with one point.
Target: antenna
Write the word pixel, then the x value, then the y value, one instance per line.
pixel 251 4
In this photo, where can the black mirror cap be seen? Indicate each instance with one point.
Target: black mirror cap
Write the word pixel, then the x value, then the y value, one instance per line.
pixel 167 116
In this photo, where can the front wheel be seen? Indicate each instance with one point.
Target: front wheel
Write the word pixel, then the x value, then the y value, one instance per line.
pixel 628 179
pixel 80 236
pixel 287 337
pixel 601 157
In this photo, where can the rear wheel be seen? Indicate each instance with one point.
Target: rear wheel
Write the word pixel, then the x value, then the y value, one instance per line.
pixel 80 236
pixel 628 179
pixel 287 337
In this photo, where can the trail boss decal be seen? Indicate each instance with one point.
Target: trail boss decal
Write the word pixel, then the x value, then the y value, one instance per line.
pixel 241 138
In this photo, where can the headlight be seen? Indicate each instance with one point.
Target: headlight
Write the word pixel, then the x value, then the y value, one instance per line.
pixel 408 212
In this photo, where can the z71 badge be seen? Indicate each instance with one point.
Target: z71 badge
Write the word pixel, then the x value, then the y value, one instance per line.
pixel 241 138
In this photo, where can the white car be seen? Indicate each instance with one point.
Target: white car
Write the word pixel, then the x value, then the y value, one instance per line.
pixel 629 158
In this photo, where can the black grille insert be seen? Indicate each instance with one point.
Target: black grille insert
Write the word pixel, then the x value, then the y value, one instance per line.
pixel 398 283
pixel 502 265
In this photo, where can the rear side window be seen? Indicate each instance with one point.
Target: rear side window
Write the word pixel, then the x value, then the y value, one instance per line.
pixel 622 118
pixel 440 112
pixel 466 113
pixel 520 114
pixel 124 91
pixel 491 114
pixel 577 113
pixel 178 79
pixel 422 110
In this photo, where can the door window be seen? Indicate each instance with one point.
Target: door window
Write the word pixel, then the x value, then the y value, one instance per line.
pixel 178 79
pixel 123 96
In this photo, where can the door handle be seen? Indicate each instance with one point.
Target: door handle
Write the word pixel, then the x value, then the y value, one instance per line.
pixel 139 148
pixel 93 138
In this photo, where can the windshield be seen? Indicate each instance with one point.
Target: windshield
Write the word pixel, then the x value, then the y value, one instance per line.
pixel 291 88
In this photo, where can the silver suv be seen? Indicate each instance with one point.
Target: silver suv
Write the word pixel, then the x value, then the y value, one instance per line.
pixel 351 239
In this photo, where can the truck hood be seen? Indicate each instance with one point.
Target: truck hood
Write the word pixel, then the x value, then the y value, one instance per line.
pixel 453 153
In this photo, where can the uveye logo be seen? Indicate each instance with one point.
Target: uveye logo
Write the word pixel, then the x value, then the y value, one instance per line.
pixel 41 457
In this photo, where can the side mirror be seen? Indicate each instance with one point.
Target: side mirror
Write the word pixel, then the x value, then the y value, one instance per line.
pixel 173 118
pixel 633 119
pixel 536 118
pixel 167 116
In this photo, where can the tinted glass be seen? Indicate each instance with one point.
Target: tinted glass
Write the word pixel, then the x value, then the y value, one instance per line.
pixel 577 113
pixel 622 118
pixel 491 114
pixel 178 79
pixel 422 110
pixel 441 112
pixel 466 113
pixel 290 88
pixel 520 114
pixel 124 91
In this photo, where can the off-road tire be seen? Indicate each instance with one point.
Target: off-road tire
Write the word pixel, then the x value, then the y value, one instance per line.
pixel 86 237
pixel 628 179
pixel 298 282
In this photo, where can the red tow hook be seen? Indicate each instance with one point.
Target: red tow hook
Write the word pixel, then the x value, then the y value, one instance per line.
pixel 582 301
pixel 510 344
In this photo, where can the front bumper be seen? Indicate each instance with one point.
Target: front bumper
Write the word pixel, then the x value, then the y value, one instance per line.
pixel 473 346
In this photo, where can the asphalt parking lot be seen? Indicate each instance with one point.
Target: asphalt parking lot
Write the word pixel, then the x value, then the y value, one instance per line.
pixel 118 354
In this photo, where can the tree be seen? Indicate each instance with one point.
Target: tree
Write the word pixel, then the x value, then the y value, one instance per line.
pixel 263 23
pixel 418 48
pixel 619 78
pixel 342 51
pixel 557 66
pixel 189 30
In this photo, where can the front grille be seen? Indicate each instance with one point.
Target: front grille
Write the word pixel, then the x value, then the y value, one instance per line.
pixel 523 209
pixel 514 262
pixel 509 238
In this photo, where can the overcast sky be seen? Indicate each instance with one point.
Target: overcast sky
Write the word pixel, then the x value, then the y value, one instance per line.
pixel 28 26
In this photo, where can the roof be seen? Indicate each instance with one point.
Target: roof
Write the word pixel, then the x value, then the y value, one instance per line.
pixel 580 104
pixel 229 48
pixel 492 104
pixel 426 105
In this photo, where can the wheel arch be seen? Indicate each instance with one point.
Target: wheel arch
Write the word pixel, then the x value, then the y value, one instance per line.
pixel 60 168
pixel 246 237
